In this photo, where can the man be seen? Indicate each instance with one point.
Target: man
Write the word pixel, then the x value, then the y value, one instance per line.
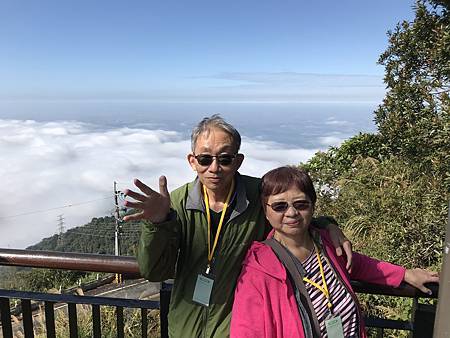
pixel 200 233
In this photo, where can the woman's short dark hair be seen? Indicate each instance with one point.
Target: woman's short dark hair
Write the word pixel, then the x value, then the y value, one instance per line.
pixel 282 179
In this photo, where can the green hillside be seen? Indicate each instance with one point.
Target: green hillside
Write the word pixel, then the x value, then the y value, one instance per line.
pixel 97 236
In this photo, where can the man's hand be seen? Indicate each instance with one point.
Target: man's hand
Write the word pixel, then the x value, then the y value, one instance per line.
pixel 418 277
pixel 341 242
pixel 151 205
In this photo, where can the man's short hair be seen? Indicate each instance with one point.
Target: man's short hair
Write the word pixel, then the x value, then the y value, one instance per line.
pixel 215 121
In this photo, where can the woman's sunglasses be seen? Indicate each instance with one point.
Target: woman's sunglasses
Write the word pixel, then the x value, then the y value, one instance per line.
pixel 283 206
pixel 222 159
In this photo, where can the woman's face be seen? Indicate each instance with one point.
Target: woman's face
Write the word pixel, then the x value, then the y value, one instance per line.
pixel 296 218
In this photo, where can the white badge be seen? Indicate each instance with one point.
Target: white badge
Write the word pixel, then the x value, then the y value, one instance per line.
pixel 203 289
pixel 334 327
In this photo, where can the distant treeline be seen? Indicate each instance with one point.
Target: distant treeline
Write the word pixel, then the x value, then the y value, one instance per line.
pixel 97 236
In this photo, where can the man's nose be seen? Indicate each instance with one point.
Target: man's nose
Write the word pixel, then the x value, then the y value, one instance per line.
pixel 214 166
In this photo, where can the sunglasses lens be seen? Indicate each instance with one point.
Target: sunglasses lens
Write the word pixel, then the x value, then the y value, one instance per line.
pixel 204 159
pixel 283 206
pixel 225 159
pixel 301 205
pixel 279 206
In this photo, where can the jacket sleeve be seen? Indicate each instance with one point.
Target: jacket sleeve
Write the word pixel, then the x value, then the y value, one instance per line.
pixel 371 270
pixel 158 249
pixel 247 319
pixel 366 269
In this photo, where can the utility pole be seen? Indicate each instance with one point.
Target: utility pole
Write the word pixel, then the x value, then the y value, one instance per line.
pixel 118 231
pixel 442 323
pixel 60 230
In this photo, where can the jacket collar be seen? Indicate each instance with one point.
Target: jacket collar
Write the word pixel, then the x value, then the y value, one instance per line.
pixel 262 257
pixel 195 197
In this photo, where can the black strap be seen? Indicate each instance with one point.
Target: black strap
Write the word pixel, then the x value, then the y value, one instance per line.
pixel 286 258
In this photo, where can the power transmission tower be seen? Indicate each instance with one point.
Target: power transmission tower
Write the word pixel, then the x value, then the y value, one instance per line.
pixel 60 230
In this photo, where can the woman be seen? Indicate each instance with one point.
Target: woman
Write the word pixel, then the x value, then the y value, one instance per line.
pixel 293 284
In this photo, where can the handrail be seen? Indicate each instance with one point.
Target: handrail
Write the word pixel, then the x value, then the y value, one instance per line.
pixel 128 265
pixel 69 261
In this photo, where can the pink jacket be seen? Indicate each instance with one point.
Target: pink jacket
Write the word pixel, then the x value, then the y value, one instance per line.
pixel 265 304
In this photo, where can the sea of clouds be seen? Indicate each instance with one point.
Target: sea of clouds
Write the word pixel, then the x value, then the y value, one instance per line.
pixel 68 168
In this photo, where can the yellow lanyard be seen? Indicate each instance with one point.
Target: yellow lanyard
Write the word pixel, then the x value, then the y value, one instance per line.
pixel 323 289
pixel 208 216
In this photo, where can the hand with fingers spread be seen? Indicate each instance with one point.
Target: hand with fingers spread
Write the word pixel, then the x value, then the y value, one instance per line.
pixel 150 205
pixel 341 243
pixel 418 277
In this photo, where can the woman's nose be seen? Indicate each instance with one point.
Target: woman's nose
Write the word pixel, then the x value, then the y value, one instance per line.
pixel 291 211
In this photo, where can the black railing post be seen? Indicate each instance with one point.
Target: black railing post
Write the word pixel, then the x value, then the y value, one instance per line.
pixel 96 321
pixel 164 300
pixel 50 319
pixel 6 317
pixel 73 321
pixel 27 318
pixel 144 322
pixel 120 324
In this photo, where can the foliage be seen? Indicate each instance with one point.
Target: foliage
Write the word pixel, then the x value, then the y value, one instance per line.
pixel 414 119
pixel 391 211
pixel 100 235
pixel 390 190
pixel 326 167
pixel 45 279
pixel 132 323
pixel 95 237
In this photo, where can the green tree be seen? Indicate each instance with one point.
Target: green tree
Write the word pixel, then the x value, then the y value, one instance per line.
pixel 414 119
pixel 390 190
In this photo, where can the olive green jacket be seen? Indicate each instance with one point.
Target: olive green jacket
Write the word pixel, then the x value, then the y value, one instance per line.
pixel 177 249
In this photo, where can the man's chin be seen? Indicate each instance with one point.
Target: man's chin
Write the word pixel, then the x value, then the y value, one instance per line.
pixel 215 185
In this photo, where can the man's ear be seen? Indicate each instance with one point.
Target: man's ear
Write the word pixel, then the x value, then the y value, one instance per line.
pixel 239 159
pixel 191 160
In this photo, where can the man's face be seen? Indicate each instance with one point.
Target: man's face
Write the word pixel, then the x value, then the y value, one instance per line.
pixel 215 177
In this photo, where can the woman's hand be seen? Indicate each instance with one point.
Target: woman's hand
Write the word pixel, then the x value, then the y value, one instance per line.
pixel 418 277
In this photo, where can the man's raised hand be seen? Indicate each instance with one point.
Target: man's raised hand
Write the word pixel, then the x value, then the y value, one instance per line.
pixel 149 204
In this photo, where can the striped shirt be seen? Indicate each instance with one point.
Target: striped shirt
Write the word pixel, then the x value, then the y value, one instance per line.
pixel 340 298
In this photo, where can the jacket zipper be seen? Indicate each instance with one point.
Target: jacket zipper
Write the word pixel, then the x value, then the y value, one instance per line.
pixel 205 321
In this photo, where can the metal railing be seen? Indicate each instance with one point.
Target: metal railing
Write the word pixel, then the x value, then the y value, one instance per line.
pixel 418 325
pixel 81 262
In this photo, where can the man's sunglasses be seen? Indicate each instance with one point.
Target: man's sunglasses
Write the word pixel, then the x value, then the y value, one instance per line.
pixel 283 206
pixel 222 159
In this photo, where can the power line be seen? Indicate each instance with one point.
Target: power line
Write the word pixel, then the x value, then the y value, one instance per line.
pixel 91 234
pixel 55 208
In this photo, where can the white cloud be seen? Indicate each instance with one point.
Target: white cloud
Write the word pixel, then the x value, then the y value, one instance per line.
pixel 48 165
pixel 333 122
pixel 304 79
pixel 331 140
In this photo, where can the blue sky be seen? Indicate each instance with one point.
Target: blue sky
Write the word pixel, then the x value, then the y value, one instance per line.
pixel 195 50
pixel 93 92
